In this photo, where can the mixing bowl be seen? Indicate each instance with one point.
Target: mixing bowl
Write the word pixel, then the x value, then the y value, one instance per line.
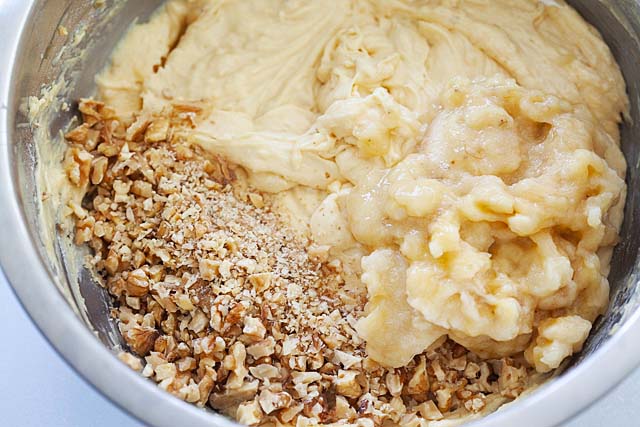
pixel 62 44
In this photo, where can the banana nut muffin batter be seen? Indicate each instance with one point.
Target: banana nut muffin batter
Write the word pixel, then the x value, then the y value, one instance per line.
pixel 443 178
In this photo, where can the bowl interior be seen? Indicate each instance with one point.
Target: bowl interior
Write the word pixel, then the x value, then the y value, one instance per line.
pixel 47 56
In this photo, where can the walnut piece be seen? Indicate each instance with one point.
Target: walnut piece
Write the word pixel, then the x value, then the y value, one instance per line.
pixel 228 306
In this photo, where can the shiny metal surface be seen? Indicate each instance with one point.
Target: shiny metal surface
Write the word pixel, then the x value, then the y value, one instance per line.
pixel 30 56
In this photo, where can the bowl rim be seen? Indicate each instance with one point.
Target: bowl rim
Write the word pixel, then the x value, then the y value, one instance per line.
pixel 34 286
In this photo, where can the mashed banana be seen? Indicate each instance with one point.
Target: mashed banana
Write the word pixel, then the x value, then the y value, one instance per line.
pixel 460 158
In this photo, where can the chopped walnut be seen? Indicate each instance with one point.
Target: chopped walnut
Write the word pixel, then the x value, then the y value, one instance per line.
pixel 394 383
pixel 208 269
pixel 228 306
pixel 98 169
pixel 249 413
pixel 444 398
pixel 347 385
pixel 165 371
pixel 230 398
pixel 141 339
pixel 347 360
pixel 77 165
pixel 429 411
pixel 261 281
pixel 262 349
pixel 254 328
pixel 270 401
pixel 157 130
pixel 130 360
pixel 137 284
pixel 264 372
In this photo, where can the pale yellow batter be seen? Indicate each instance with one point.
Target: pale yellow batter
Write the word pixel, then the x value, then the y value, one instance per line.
pixel 460 158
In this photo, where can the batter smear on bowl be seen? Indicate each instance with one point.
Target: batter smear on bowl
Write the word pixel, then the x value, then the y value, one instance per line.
pixel 374 213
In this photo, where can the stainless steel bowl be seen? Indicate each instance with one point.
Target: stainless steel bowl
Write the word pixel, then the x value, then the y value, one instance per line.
pixel 73 313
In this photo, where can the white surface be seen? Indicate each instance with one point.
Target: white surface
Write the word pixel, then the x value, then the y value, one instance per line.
pixel 38 389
